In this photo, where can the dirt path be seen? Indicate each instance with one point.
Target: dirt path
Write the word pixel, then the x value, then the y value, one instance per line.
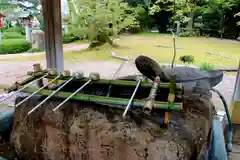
pixel 16 71
pixel 68 47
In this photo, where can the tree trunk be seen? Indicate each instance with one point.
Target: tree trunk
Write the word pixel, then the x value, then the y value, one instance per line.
pixel 191 22
pixel 222 25
pixel 102 38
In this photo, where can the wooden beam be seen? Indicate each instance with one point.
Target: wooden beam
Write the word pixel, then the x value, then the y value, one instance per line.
pixel 236 95
pixel 227 69
pixel 53 33
pixel 235 112
pixel 235 105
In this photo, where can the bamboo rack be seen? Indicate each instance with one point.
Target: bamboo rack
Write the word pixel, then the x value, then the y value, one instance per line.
pixel 107 100
pixel 101 81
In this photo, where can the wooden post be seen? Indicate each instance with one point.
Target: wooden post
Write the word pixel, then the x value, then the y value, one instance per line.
pixel 53 33
pixel 235 105
pixel 178 27
pixel 237 86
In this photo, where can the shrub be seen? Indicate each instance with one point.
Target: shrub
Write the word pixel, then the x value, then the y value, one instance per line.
pixel 184 34
pixel 206 66
pixel 13 29
pixel 34 50
pixel 12 35
pixel 20 30
pixel 187 59
pixel 68 38
pixel 14 46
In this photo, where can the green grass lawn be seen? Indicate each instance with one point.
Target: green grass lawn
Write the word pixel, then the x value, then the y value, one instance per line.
pixel 145 44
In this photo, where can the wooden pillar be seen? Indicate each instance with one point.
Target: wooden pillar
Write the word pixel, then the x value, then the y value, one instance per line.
pixel 53 33
pixel 237 86
pixel 235 105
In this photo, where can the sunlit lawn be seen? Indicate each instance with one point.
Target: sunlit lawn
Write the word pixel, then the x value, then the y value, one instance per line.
pixel 146 44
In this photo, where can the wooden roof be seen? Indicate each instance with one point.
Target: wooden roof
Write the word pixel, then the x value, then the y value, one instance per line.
pixel 2 15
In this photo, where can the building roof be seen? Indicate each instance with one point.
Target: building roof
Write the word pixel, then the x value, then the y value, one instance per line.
pixel 2 15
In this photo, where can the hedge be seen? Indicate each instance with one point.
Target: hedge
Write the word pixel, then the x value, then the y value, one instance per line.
pixel 68 38
pixel 34 50
pixel 16 29
pixel 10 46
pixel 12 35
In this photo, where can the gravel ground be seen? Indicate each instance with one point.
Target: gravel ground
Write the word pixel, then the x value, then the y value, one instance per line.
pixel 67 47
pixel 106 69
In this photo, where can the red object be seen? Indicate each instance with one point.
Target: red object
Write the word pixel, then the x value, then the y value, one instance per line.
pixel 1 20
pixel 27 21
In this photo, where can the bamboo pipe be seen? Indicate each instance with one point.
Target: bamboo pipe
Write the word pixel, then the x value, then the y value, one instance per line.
pixel 107 100
pixel 131 99
pixel 126 83
pixel 171 97
pixel 22 88
pixel 64 73
pixel 147 109
pixel 92 77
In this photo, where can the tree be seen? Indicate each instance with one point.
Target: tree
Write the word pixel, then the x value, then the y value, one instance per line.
pixel 6 6
pixel 183 10
pixel 97 20
pixel 145 20
pixel 213 17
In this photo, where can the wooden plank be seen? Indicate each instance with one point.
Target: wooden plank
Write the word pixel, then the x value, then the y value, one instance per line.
pixel 227 69
pixel 235 112
pixel 236 95
pixel 53 33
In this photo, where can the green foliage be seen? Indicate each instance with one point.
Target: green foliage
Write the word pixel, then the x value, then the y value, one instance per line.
pixel 12 35
pixel 206 66
pixel 184 34
pixel 207 17
pixel 14 46
pixel 68 38
pixel 6 6
pixel 189 33
pixel 237 15
pixel 212 20
pixel 187 59
pixel 16 29
pixel 97 20
pixel 34 50
pixel 13 29
pixel 160 5
pixel 145 21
